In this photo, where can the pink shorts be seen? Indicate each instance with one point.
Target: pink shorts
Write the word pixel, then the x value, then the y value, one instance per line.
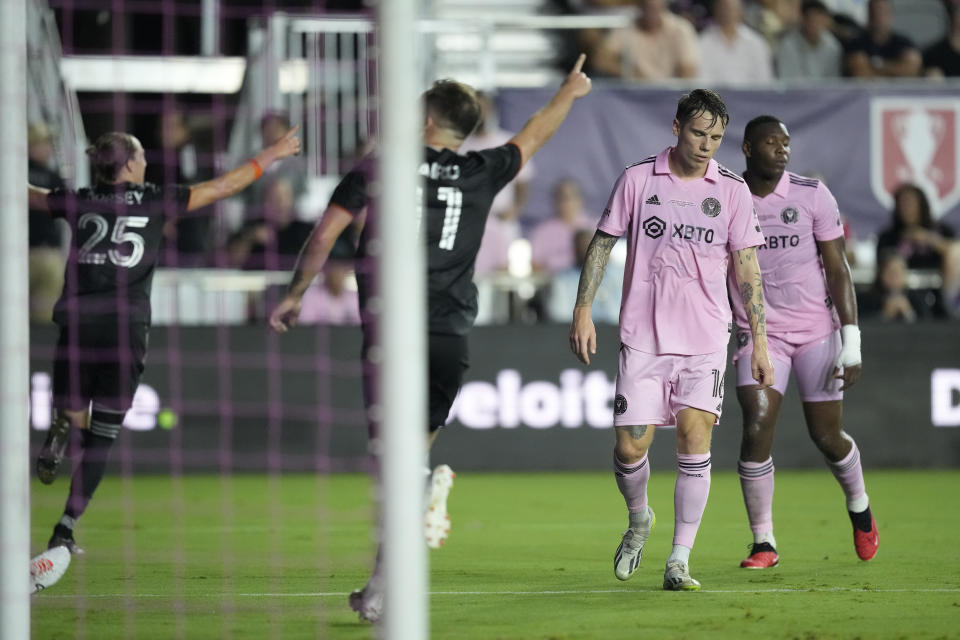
pixel 812 363
pixel 652 389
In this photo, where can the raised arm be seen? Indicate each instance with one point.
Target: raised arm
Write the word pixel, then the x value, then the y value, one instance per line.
pixel 840 286
pixel 312 257
pixel 545 122
pixel 583 334
pixel 750 286
pixel 235 181
pixel 37 198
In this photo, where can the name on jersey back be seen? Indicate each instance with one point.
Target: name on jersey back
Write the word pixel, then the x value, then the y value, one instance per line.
pixel 437 171
pixel 127 197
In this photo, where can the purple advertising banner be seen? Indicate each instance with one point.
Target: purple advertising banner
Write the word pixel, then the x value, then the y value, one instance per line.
pixel 863 140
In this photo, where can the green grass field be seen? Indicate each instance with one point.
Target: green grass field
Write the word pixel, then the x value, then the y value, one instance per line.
pixel 530 556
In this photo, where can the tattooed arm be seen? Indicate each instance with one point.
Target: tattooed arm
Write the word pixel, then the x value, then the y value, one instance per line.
pixel 583 335
pixel 750 286
pixel 312 257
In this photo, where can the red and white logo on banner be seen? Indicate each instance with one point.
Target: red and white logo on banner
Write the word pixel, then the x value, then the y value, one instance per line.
pixel 916 140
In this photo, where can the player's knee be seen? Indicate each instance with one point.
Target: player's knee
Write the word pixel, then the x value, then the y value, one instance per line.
pixel 106 423
pixel 828 440
pixel 693 441
pixel 630 451
pixel 756 430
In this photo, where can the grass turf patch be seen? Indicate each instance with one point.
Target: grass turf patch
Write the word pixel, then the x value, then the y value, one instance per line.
pixel 530 556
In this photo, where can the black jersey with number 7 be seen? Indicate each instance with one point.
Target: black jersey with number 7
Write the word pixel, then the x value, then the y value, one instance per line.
pixel 452 208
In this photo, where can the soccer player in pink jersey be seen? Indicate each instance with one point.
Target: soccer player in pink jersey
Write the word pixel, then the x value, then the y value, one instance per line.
pixel 684 216
pixel 808 289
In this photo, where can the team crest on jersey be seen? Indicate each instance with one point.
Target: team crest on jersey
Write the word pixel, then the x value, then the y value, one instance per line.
pixel 916 140
pixel 789 215
pixel 654 226
pixel 710 207
pixel 619 405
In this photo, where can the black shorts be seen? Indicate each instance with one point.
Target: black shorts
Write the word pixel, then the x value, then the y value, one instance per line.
pixel 448 361
pixel 99 362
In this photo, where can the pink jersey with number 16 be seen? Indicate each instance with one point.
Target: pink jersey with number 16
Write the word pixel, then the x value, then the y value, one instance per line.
pixel 797 214
pixel 679 237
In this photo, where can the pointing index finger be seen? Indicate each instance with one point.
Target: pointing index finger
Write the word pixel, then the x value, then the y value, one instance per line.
pixel 579 63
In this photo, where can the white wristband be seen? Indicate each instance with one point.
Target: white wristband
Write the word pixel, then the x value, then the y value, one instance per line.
pixel 850 353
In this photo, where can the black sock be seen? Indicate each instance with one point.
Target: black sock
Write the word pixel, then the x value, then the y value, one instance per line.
pixel 89 473
pixel 63 531
pixel 862 520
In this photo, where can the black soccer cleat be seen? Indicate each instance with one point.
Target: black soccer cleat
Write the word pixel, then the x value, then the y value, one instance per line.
pixel 61 539
pixel 53 450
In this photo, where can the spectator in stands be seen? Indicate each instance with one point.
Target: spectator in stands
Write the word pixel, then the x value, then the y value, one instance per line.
pixel 45 235
pixel 332 301
pixel 853 12
pixel 187 240
pixel 923 243
pixel 810 51
pixel 274 241
pixel 943 58
pixel 732 52
pixel 660 45
pixel 881 52
pixel 773 18
pixel 890 299
pixel 696 12
pixel 913 233
pixel 563 288
pixel 273 126
pixel 551 243
pixel 503 226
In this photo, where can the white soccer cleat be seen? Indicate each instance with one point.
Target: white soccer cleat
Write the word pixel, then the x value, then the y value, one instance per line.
pixel 367 603
pixel 629 553
pixel 436 522
pixel 676 577
pixel 48 567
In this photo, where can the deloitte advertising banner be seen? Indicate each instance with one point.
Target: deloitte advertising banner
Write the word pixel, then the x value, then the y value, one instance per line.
pixel 240 399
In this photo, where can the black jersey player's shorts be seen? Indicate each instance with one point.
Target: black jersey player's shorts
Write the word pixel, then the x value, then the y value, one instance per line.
pixel 448 361
pixel 100 362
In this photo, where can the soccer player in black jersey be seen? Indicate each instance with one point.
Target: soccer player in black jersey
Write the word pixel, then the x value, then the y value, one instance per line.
pixel 104 310
pixel 456 195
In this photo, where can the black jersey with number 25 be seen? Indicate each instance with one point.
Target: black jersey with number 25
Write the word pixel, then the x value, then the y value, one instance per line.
pixel 117 231
pixel 453 204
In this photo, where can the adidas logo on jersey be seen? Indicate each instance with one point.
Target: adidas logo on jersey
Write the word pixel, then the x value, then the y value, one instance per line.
pixel 653 199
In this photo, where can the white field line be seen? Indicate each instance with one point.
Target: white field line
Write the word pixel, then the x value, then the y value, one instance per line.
pixel 343 594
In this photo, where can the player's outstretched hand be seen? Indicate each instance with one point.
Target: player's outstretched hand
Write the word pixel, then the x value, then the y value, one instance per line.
pixel 285 314
pixel 762 368
pixel 288 145
pixel 577 82
pixel 583 335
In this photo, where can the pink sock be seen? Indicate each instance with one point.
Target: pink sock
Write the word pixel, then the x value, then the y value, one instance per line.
pixel 849 474
pixel 756 481
pixel 690 496
pixel 632 480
